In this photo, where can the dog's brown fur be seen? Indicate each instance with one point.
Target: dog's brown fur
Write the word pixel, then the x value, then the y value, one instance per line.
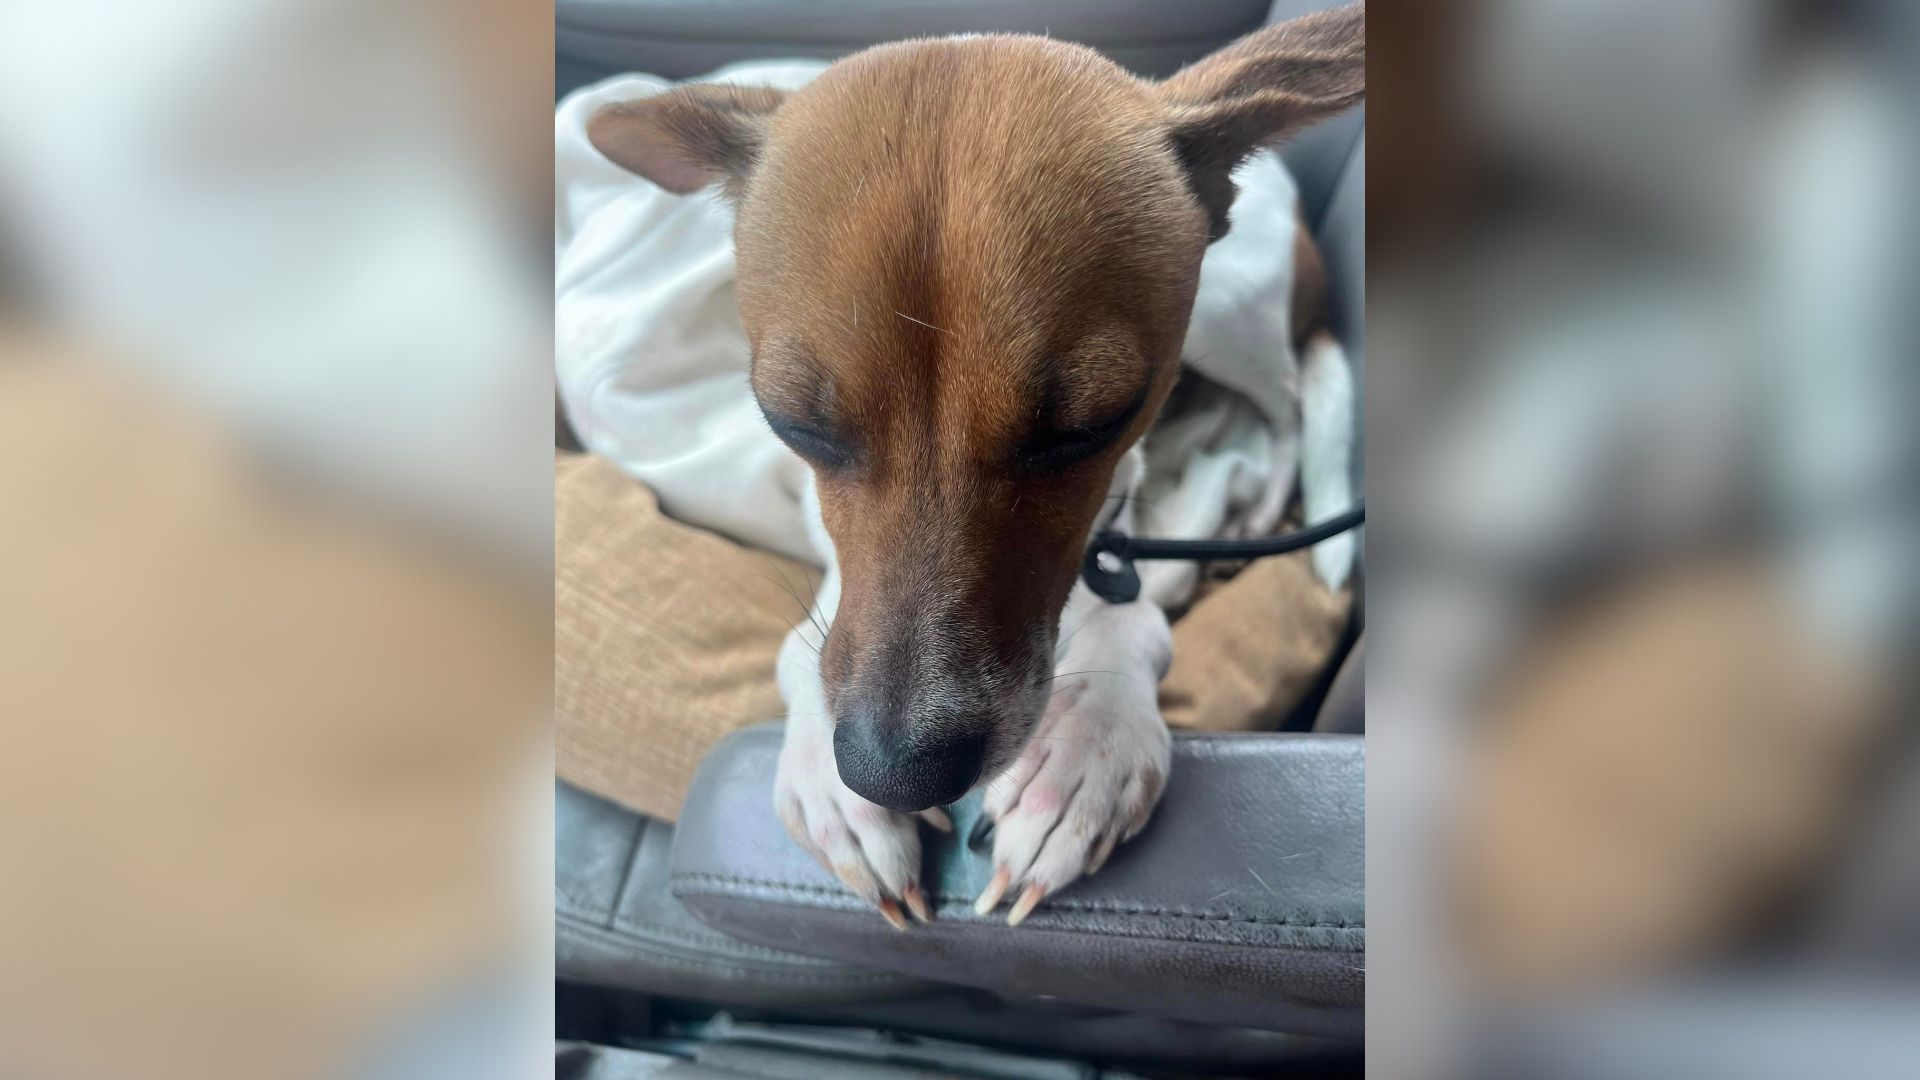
pixel 956 257
pixel 995 273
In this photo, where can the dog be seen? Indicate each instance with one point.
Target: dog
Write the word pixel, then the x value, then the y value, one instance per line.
pixel 966 267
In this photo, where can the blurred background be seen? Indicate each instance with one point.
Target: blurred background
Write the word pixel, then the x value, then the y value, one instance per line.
pixel 1642 779
pixel 275 580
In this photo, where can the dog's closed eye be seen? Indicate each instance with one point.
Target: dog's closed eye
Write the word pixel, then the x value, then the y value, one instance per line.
pixel 1050 451
pixel 810 442
pixel 1053 448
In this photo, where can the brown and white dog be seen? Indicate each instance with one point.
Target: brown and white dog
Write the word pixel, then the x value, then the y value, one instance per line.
pixel 966 267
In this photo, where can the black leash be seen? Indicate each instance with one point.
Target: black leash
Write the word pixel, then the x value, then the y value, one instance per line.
pixel 1109 571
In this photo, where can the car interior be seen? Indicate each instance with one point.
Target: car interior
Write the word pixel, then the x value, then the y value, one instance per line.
pixel 1227 939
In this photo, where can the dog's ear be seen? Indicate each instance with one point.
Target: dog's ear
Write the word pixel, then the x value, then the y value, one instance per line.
pixel 1257 91
pixel 689 137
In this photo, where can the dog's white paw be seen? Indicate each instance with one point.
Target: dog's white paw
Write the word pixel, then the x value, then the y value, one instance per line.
pixel 1088 780
pixel 873 850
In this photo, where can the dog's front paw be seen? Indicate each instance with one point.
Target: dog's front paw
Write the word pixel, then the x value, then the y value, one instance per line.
pixel 873 850
pixel 1087 781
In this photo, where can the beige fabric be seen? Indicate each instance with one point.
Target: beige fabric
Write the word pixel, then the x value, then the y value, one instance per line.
pixel 257 752
pixel 1248 652
pixel 1661 772
pixel 665 638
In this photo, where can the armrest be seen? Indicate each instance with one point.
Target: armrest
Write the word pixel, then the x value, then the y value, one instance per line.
pixel 615 924
pixel 1241 903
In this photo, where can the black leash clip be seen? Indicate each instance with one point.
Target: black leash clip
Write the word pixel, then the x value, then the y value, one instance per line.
pixel 1108 569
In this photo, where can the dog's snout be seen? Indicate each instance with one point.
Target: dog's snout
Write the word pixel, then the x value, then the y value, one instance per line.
pixel 899 770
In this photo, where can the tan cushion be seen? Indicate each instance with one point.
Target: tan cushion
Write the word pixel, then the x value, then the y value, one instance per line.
pixel 1660 771
pixel 664 637
pixel 1251 648
pixel 260 746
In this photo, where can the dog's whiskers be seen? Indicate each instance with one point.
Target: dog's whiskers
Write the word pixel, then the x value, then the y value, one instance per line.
pixel 1089 671
pixel 1062 643
pixel 806 608
pixel 813 614
pixel 794 624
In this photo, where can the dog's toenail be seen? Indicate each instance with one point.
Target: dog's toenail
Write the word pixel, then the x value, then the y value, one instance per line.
pixel 996 889
pixel 917 903
pixel 891 911
pixel 1025 905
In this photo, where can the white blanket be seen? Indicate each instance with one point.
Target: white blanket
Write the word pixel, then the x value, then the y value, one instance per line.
pixel 652 359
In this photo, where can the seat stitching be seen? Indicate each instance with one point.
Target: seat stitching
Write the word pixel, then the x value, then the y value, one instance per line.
pixel 1068 905
pixel 717 967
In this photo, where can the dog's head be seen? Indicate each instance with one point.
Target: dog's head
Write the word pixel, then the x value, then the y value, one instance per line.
pixel 966 267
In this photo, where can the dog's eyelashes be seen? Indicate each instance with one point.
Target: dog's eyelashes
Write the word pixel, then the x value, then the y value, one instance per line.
pixel 1050 451
pixel 1054 450
pixel 819 449
pixel 811 443
pixel 1059 447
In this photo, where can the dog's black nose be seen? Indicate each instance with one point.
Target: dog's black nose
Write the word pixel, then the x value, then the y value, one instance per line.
pixel 881 765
